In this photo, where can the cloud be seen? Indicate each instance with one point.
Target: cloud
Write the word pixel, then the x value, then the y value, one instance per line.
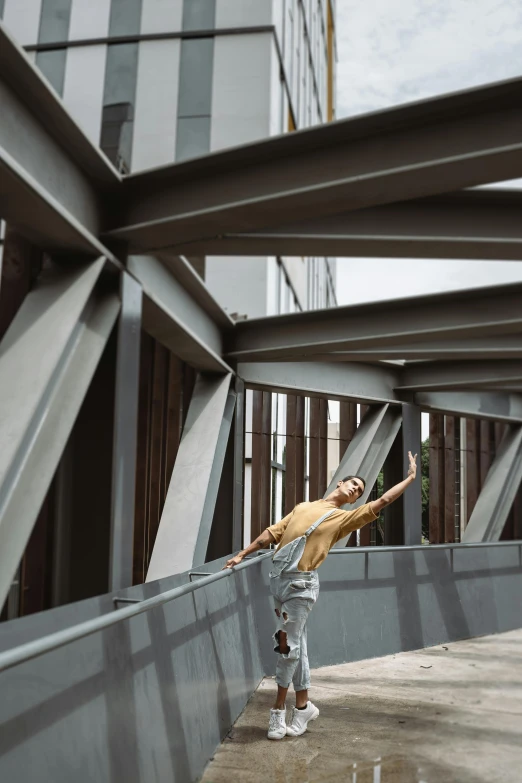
pixel 395 51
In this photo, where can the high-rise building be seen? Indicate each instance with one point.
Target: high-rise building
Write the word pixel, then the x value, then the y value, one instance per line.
pixel 158 81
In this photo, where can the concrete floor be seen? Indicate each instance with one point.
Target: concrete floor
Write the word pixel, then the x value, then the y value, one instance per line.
pixel 448 714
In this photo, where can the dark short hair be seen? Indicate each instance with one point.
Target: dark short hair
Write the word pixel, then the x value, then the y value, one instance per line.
pixel 357 477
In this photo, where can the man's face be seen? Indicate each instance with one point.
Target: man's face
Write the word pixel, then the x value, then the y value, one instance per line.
pixel 352 489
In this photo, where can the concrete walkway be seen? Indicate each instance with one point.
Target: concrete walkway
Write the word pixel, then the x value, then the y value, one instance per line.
pixel 448 714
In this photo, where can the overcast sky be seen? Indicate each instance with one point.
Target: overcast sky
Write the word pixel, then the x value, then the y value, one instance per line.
pixel 395 51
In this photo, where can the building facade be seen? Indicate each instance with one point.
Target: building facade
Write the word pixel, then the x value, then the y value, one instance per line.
pixel 159 81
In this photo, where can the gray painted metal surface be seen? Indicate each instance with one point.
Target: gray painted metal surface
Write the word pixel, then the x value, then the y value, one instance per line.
pixel 367 451
pixel 332 382
pixel 144 701
pixel 379 158
pixel 412 498
pixel 125 434
pixel 174 318
pixel 152 696
pixel 460 314
pixel 460 375
pixel 66 210
pixel 499 491
pixel 495 406
pixel 52 348
pixel 469 225
pixel 186 520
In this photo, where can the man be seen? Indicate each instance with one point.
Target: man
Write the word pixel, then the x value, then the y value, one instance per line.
pixel 305 537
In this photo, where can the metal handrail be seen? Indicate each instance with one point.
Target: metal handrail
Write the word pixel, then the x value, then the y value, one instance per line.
pixel 25 652
pixel 422 547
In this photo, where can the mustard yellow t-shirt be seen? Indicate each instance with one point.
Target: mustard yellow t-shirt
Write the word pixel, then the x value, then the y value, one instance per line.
pixel 319 543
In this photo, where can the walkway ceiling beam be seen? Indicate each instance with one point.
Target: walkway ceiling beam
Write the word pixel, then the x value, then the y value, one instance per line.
pixel 51 175
pixel 470 224
pixel 421 149
pixel 433 376
pixel 455 315
pixel 357 382
pixel 491 405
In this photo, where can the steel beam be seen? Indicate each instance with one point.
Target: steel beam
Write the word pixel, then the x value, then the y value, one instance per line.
pixel 186 520
pixel 332 382
pixel 459 314
pixel 175 319
pixel 48 168
pixel 434 146
pixel 499 491
pixel 468 224
pixel 367 451
pixel 47 360
pixel 449 376
pixel 125 434
pixel 412 501
pixel 507 346
pixel 494 406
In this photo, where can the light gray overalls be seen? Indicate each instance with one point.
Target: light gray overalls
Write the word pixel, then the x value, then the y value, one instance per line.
pixel 294 592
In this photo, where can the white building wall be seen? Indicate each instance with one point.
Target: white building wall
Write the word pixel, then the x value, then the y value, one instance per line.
pixel 155 123
pixel 160 16
pixel 244 13
pixel 22 19
pixel 83 87
pixel 89 19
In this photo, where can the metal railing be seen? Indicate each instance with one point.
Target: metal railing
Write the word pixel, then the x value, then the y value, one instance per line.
pixel 423 547
pixel 25 652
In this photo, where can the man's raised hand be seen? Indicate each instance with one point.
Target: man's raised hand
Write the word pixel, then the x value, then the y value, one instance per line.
pixel 412 470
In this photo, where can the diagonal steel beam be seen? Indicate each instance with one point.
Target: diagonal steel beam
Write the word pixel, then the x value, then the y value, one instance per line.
pixel 51 176
pixel 52 349
pixel 420 149
pixel 456 315
pixel 473 404
pixel 432 376
pixel 499 491
pixel 500 347
pixel 367 451
pixel 330 381
pixel 186 520
pixel 179 320
pixel 468 225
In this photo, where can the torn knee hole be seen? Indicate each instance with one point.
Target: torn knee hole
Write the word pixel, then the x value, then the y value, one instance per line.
pixel 278 613
pixel 282 644
pixel 285 616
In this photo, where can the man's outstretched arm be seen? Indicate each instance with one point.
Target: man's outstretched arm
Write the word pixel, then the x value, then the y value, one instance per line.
pixel 262 542
pixel 395 492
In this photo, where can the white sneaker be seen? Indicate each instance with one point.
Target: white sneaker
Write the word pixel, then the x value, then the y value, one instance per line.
pixel 277 725
pixel 300 718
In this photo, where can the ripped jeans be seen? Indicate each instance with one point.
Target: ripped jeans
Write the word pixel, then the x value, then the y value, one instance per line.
pixel 294 593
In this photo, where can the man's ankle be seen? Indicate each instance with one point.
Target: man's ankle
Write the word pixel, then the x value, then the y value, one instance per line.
pixel 279 707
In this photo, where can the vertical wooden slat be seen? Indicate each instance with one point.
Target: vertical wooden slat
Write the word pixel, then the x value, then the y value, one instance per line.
pixel 314 492
pixel 472 465
pixel 266 484
pixel 449 480
pixel 436 512
pixel 486 453
pixel 157 443
pixel 174 417
pixel 36 571
pixel 290 499
pixel 300 450
pixel 323 447
pixel 347 425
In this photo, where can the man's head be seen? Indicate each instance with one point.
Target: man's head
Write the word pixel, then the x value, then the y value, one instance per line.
pixel 351 487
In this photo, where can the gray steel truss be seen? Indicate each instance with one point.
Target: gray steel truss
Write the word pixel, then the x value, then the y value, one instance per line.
pixel 487 404
pixel 366 382
pixel 47 360
pixel 421 149
pixel 468 225
pixel 498 493
pixel 461 315
pixel 460 375
pixel 369 448
pixel 186 520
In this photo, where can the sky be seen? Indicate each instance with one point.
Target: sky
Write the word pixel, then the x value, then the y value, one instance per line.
pixel 396 51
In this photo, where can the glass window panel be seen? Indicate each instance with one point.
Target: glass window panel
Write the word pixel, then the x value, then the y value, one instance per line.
pixel 120 94
pixel 54 21
pixel 125 17
pixel 195 77
pixel 2 3
pixel 199 14
pixel 52 65
pixel 193 137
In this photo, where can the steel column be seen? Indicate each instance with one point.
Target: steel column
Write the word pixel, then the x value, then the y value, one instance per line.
pixel 125 434
pixel 412 503
pixel 437 483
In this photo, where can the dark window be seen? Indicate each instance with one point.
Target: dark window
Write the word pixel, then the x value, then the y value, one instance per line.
pixel 199 14
pixel 54 21
pixel 125 17
pixel 52 65
pixel 118 103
